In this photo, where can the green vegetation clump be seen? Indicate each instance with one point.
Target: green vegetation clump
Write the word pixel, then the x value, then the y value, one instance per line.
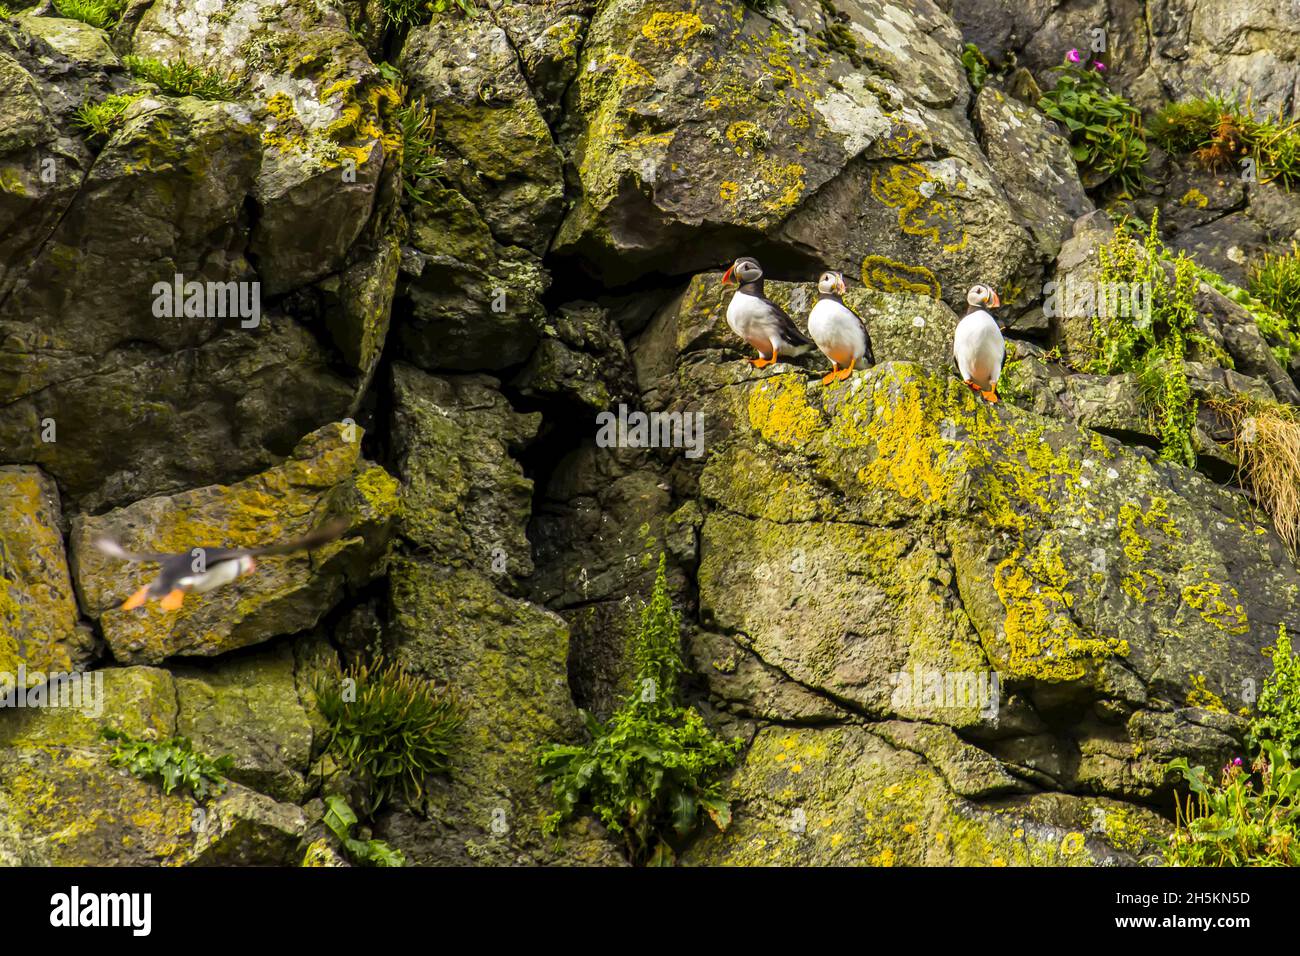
pixel 180 78
pixel 1104 128
pixel 976 64
pixel 1278 710
pixel 1221 132
pixel 1274 281
pixel 340 820
pixel 104 118
pixel 1154 346
pixel 652 768
pixel 388 729
pixel 98 13
pixel 1251 815
pixel 409 13
pixel 173 762
pixel 421 164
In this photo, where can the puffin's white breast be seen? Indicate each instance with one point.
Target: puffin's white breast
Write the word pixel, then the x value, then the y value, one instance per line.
pixel 747 314
pixel 836 330
pixel 979 348
pixel 214 577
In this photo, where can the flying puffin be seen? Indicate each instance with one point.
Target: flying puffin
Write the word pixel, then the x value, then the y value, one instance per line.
pixel 978 346
pixel 757 319
pixel 838 331
pixel 201 570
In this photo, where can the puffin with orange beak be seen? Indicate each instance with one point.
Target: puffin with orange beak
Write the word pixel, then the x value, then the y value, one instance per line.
pixel 757 319
pixel 838 331
pixel 201 570
pixel 978 345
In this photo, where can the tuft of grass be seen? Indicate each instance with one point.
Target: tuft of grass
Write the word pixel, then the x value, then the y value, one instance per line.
pixel 181 78
pixel 174 763
pixel 104 118
pixel 98 13
pixel 1267 444
pixel 388 729
pixel 340 819
pixel 652 769
pixel 421 164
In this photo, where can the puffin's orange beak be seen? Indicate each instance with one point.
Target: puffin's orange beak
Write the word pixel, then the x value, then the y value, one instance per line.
pixel 996 300
pixel 726 276
pixel 840 286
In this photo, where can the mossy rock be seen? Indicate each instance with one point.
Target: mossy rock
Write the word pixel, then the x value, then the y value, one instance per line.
pixel 39 628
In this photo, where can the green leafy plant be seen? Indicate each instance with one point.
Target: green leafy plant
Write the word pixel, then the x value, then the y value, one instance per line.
pixel 1221 132
pixel 173 762
pixel 181 78
pixel 421 164
pixel 1250 816
pixel 388 729
pixel 104 118
pixel 976 64
pixel 1154 346
pixel 340 820
pixel 407 13
pixel 652 768
pixel 98 13
pixel 1104 128
pixel 1274 280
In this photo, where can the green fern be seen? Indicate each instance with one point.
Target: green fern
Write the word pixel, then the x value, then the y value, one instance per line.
pixel 653 767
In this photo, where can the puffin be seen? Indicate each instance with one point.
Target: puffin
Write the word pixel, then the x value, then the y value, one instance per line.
pixel 757 319
pixel 838 331
pixel 201 569
pixel 977 344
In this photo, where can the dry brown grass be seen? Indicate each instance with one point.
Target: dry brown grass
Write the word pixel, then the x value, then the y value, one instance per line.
pixel 1267 444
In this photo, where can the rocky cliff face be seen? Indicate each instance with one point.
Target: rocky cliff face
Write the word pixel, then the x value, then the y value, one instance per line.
pixel 948 632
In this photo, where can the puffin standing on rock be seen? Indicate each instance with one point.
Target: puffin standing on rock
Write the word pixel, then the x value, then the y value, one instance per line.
pixel 201 570
pixel 757 319
pixel 838 331
pixel 978 345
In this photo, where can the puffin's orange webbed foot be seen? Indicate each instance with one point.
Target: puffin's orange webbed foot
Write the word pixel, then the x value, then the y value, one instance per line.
pixel 172 601
pixel 830 376
pixel 845 372
pixel 974 388
pixel 991 396
pixel 136 599
pixel 761 362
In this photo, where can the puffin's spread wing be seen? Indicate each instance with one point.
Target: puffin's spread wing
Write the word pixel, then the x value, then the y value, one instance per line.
pixel 111 548
pixel 322 535
pixel 789 331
